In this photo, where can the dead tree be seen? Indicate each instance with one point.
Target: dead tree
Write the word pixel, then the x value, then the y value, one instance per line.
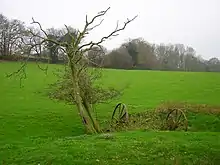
pixel 78 62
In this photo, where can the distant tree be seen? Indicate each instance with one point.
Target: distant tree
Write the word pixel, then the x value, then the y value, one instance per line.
pixel 132 50
pixel 214 61
pixel 146 56
pixel 59 35
pixel 11 32
pixel 173 57
pixel 53 34
pixel 213 64
pixel 118 59
pixel 161 52
pixel 96 56
pixel 180 48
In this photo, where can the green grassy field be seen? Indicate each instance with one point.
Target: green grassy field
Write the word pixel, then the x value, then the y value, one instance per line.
pixel 37 130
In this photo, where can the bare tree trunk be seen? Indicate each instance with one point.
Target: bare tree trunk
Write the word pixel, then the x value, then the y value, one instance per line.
pixel 88 121
pixel 5 47
pixel 88 109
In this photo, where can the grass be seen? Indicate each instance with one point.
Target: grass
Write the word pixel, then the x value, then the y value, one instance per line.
pixel 124 148
pixel 35 129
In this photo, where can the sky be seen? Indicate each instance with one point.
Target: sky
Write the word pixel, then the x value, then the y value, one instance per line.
pixel 194 23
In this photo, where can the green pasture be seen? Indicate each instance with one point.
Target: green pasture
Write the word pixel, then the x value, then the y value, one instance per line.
pixel 37 130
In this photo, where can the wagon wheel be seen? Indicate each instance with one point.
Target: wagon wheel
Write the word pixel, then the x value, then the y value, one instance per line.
pixel 176 118
pixel 120 113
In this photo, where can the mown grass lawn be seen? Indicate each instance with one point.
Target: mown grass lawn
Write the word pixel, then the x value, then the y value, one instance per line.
pixel 35 129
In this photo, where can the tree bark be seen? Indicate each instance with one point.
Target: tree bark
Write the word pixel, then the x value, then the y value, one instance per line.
pixel 88 121
pixel 88 109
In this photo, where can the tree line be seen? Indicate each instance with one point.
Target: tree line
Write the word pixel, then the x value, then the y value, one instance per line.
pixel 133 54
pixel 139 54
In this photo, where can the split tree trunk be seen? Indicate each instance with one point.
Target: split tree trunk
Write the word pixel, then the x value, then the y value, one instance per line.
pixel 83 106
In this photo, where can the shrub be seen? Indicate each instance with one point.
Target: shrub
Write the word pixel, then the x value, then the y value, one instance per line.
pixel 62 89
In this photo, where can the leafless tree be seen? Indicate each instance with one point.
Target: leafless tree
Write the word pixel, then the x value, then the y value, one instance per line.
pixel 78 62
pixel 11 32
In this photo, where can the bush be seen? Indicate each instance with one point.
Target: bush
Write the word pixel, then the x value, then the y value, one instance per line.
pixel 62 89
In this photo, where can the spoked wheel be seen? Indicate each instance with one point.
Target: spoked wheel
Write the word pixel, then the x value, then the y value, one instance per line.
pixel 176 118
pixel 120 114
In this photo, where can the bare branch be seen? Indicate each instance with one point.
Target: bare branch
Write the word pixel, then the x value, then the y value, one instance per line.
pixel 86 19
pixel 70 34
pixel 85 30
pixel 45 33
pixel 116 25
pixel 48 39
pixel 18 71
pixel 21 71
pixel 102 13
pixel 43 69
pixel 23 66
pixel 35 35
pixel 91 44
pixel 35 22
pixel 113 33
pixel 95 25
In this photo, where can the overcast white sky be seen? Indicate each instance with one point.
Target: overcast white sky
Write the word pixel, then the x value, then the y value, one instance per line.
pixel 194 23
